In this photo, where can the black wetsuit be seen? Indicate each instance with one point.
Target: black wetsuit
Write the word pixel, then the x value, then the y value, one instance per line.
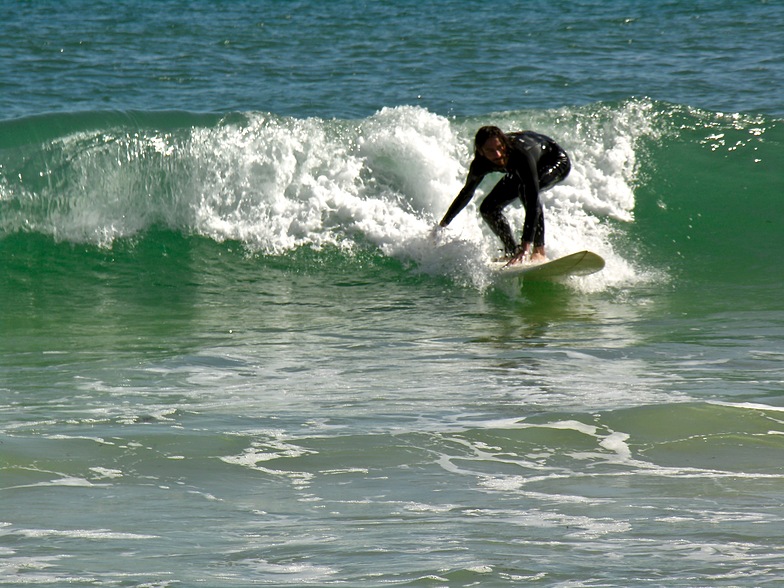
pixel 534 163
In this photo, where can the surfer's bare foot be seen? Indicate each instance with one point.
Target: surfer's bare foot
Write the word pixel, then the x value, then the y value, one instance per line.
pixel 538 256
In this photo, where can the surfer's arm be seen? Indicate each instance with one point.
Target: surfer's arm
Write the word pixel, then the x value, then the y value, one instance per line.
pixel 462 199
pixel 529 178
pixel 529 226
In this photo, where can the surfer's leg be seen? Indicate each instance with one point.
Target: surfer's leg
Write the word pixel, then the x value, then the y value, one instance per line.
pixel 550 173
pixel 534 225
pixel 492 207
pixel 538 252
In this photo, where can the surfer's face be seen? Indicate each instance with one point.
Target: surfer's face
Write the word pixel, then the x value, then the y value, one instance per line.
pixel 494 151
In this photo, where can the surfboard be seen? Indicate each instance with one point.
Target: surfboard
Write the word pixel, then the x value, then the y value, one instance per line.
pixel 581 263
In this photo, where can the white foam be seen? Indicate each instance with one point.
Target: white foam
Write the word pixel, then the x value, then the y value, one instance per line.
pixel 107 472
pixel 277 183
pixel 93 534
pixel 748 405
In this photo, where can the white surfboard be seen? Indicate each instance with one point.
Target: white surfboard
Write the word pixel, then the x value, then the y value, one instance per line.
pixel 581 263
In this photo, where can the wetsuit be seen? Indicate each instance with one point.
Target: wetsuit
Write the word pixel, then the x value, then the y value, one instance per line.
pixel 534 163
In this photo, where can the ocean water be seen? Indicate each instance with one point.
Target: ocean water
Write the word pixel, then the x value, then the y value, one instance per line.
pixel 234 353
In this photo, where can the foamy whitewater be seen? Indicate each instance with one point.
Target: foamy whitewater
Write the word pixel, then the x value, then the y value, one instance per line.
pixel 235 350
pixel 278 184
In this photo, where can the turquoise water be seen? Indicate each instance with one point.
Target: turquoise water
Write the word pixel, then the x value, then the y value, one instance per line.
pixel 233 353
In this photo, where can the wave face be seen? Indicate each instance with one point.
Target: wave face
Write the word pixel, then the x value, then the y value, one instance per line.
pixel 655 183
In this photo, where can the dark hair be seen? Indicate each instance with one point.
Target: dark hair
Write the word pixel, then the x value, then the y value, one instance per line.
pixel 488 132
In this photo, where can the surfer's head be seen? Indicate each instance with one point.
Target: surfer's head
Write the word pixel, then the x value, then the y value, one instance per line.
pixel 492 144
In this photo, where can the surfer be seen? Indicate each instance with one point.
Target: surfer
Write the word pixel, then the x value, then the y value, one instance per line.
pixel 531 163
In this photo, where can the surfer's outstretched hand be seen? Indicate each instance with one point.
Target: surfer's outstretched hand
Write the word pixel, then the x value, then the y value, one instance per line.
pixel 517 259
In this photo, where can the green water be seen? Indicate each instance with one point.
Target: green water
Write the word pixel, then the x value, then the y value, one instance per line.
pixel 233 353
